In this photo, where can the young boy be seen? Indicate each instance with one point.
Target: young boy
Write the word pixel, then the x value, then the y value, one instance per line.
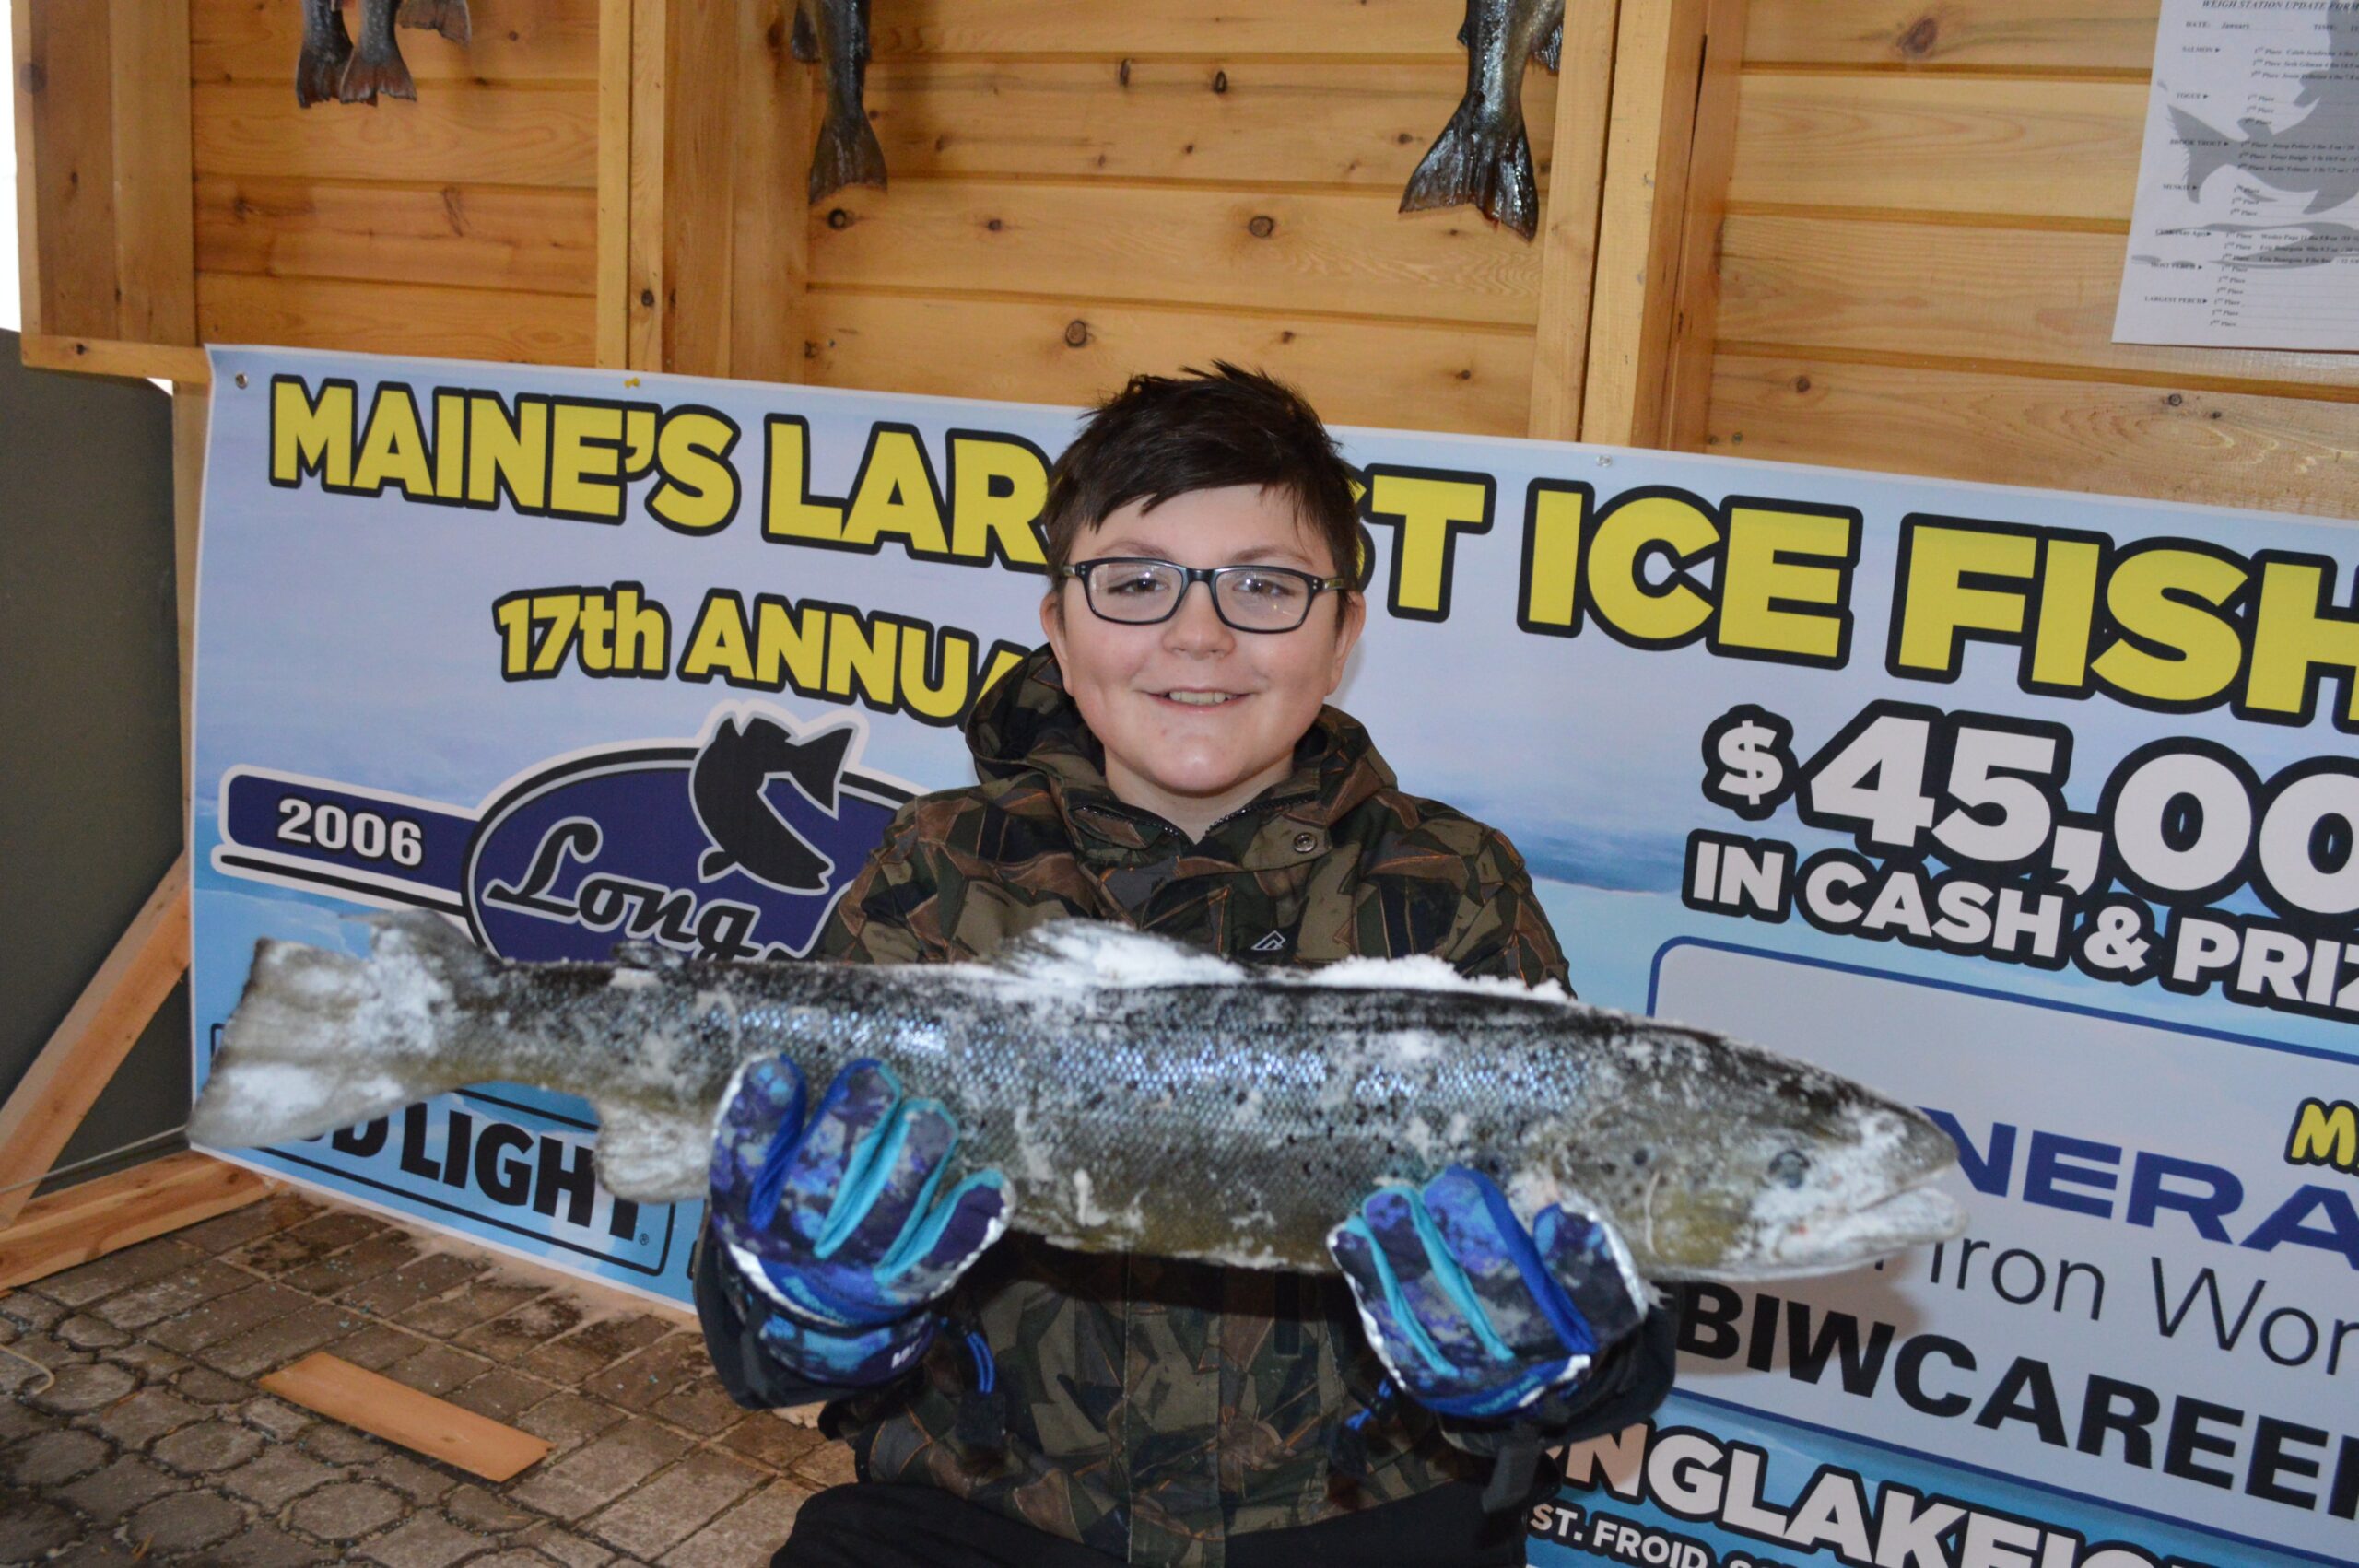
pixel 1166 763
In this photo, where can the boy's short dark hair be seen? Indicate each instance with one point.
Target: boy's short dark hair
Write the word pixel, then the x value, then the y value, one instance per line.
pixel 1167 436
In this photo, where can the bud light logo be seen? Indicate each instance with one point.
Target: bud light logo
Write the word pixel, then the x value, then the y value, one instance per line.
pixel 736 846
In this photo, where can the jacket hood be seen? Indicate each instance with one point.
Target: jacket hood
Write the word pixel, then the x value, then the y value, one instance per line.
pixel 1028 723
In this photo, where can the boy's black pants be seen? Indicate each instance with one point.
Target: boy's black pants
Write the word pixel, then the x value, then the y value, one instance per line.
pixel 870 1524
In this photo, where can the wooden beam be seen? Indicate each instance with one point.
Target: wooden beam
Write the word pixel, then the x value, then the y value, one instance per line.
pixel 155 214
pixel 643 285
pixel 771 248
pixel 1568 224
pixel 1695 297
pixel 1658 58
pixel 64 1079
pixel 614 181
pixel 63 1229
pixel 398 1413
pixel 24 83
pixel 112 357
pixel 700 220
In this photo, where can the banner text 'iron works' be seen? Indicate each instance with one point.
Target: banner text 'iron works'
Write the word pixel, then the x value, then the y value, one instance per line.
pixel 2037 809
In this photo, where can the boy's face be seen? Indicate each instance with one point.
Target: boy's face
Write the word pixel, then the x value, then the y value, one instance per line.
pixel 1196 718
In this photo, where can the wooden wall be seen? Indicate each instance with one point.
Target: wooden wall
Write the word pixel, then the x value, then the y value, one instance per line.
pixel 1924 227
pixel 463 224
pixel 1084 190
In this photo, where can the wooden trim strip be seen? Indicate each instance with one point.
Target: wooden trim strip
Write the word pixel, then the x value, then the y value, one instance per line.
pixel 64 1079
pixel 1568 238
pixel 61 1230
pixel 2041 370
pixel 398 1413
pixel 110 356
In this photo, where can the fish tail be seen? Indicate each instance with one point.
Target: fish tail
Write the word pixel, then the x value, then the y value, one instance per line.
pixel 326 50
pixel 2208 151
pixel 322 1040
pixel 448 17
pixel 847 153
pixel 376 68
pixel 1487 162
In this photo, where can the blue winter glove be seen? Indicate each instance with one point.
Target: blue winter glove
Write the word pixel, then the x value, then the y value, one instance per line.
pixel 1473 1315
pixel 838 1224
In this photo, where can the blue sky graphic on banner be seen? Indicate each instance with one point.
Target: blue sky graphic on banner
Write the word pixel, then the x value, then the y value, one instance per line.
pixel 2036 808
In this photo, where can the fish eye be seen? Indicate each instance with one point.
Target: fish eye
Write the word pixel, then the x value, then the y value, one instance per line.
pixel 1789 1168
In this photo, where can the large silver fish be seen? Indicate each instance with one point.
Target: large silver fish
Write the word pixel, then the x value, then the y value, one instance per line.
pixel 1138 1095
pixel 1483 156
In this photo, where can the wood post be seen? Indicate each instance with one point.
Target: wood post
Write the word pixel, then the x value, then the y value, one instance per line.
pixel 1568 238
pixel 64 1079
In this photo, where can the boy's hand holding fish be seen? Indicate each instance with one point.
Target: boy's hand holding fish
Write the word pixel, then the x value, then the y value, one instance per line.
pixel 836 1221
pixel 1474 1315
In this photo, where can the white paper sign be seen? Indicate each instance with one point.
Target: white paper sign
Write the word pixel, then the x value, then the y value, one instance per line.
pixel 2245 233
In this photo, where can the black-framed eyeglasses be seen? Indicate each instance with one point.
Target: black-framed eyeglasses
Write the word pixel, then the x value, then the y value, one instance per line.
pixel 1139 592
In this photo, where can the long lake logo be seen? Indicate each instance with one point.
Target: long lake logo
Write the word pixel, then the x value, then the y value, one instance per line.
pixel 734 845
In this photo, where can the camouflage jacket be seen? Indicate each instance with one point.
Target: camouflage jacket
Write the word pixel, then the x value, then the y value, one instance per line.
pixel 1153 1408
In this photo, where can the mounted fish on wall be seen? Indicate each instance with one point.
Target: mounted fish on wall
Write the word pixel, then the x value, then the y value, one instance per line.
pixel 332 67
pixel 1483 155
pixel 835 32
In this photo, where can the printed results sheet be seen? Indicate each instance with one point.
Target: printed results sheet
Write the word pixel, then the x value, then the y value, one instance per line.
pixel 2245 232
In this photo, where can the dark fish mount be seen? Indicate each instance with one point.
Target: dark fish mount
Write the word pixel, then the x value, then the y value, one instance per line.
pixel 834 33
pixel 331 66
pixel 1482 156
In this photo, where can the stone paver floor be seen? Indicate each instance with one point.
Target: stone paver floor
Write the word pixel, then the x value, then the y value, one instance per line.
pixel 154 1444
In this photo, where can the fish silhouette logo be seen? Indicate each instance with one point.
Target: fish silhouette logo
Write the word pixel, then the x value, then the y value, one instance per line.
pixel 2311 156
pixel 728 785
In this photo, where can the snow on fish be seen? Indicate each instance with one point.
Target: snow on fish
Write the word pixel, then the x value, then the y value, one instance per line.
pixel 1138 1095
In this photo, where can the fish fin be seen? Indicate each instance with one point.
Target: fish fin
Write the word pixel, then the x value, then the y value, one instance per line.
pixel 2331 196
pixel 802 39
pixel 322 1040
pixel 321 65
pixel 816 762
pixel 846 153
pixel 1487 164
pixel 2208 150
pixel 652 1155
pixel 1096 953
pixel 713 864
pixel 1552 48
pixel 651 956
pixel 371 72
pixel 448 17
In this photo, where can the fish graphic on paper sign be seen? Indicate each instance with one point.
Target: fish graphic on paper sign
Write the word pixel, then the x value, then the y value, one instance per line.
pixel 331 66
pixel 2315 156
pixel 1483 155
pixel 1137 1096
pixel 728 785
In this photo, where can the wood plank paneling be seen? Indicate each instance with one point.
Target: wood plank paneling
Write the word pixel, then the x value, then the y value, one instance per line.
pixel 2033 35
pixel 1985 294
pixel 394 318
pixel 469 237
pixel 1335 253
pixel 1148 29
pixel 1279 122
pixel 1934 143
pixel 2280 453
pixel 515 41
pixel 464 132
pixel 1413 377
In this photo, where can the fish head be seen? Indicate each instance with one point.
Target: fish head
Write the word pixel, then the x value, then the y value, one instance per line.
pixel 1762 1167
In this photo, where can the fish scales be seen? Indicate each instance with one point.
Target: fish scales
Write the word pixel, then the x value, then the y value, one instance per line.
pixel 1138 1096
